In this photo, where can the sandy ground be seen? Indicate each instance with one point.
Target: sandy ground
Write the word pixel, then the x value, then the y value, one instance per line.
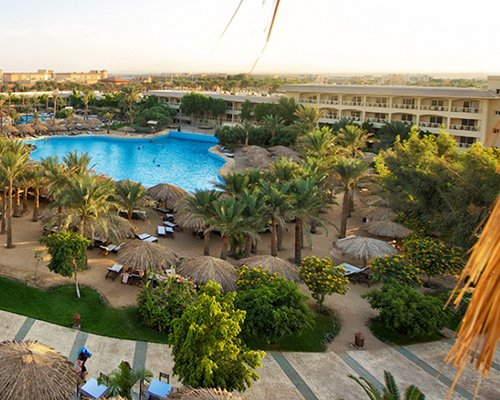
pixel 21 263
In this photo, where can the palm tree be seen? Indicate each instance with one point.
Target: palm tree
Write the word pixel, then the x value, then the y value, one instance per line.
pixel 273 123
pixel 56 175
pixel 130 195
pixel 354 139
pixel 131 94
pixel 38 181
pixel 55 96
pixel 277 206
pixel 228 220
pixel 77 163
pixel 201 206
pixel 307 200
pixel 122 379
pixel 2 113
pixel 247 127
pixel 109 117
pixel 390 391
pixel 254 208
pixel 348 172
pixel 310 116
pixel 14 157
pixel 87 95
pixel 233 183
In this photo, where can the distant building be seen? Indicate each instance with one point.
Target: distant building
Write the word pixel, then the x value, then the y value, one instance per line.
pixel 469 115
pixel 113 80
pixel 49 75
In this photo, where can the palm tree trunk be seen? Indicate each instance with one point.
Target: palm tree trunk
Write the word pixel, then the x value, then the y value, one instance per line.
pixel 36 207
pixel 9 216
pixel 280 232
pixel 351 202
pixel 225 246
pixel 18 212
pixel 248 245
pixel 206 242
pixel 274 238
pixel 25 200
pixel 298 241
pixel 129 215
pixel 4 208
pixel 345 213
pixel 314 226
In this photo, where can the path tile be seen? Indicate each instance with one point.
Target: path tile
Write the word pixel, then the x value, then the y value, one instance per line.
pixel 159 358
pixel 434 354
pixel 404 371
pixel 55 336
pixel 107 353
pixel 273 384
pixel 327 375
pixel 10 325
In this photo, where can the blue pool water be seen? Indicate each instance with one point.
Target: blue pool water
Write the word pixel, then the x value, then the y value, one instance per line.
pixel 26 119
pixel 179 158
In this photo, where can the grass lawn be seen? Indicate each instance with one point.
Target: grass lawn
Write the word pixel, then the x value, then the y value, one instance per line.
pixel 310 340
pixel 380 330
pixel 59 304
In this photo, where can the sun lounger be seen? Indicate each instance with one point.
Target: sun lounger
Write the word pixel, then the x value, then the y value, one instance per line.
pixel 164 210
pixel 165 231
pixel 230 155
pixel 142 236
pixel 108 248
pixel 151 239
pixel 356 274
pixel 114 271
pixel 133 277
pixel 169 224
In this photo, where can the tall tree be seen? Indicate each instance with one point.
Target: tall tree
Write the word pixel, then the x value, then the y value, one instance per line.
pixel 130 95
pixel 353 139
pixel 228 220
pixel 348 172
pixel 310 116
pixel 130 195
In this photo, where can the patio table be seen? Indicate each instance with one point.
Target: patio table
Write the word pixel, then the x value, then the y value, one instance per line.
pixel 92 389
pixel 158 389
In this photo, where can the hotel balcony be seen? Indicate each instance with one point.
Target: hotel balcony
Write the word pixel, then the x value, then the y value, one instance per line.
pixel 308 101
pixel 404 106
pixel 377 120
pixel 474 128
pixel 427 124
pixel 433 108
pixel 382 105
pixel 329 116
pixel 466 110
pixel 329 102
pixel 352 103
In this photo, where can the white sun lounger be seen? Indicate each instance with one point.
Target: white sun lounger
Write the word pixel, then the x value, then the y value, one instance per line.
pixel 142 236
pixel 165 230
pixel 169 224
pixel 151 239
pixel 351 269
pixel 114 271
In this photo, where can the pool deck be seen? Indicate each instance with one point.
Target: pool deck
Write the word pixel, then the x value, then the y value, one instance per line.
pixel 283 376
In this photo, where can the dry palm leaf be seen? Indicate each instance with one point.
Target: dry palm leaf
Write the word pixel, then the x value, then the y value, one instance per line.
pixel 480 328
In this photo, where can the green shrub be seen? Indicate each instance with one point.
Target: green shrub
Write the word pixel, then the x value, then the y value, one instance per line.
pixel 158 306
pixel 230 136
pixel 406 311
pixel 274 306
pixel 64 113
pixel 287 137
pixel 397 268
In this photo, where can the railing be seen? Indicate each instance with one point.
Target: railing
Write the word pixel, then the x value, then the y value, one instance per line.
pixel 334 102
pixel 433 108
pixel 430 124
pixel 465 109
pixel 403 121
pixel 474 128
pixel 384 105
pixel 464 145
pixel 308 101
pixel 352 103
pixel 377 120
pixel 405 106
pixel 329 116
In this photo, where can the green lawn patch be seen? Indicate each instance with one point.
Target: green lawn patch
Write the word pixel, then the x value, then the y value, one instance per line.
pixel 381 331
pixel 314 339
pixel 59 304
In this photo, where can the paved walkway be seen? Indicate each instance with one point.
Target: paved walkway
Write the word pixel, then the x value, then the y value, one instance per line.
pixel 284 376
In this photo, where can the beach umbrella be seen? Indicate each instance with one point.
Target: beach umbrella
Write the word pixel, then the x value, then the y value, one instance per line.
pixel 375 213
pixel 145 256
pixel 26 129
pixel 30 370
pixel 56 128
pixel 203 394
pixel 273 265
pixel 166 193
pixel 11 129
pixel 388 229
pixel 374 200
pixel 201 269
pixel 39 127
pixel 363 248
pixel 185 218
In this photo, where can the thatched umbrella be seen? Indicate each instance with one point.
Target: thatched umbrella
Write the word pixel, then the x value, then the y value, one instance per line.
pixel 30 370
pixel 26 129
pixel 145 256
pixel 166 193
pixel 273 265
pixel 374 200
pixel 363 248
pixel 203 394
pixel 388 229
pixel 375 213
pixel 39 127
pixel 204 268
pixel 56 128
pixel 11 129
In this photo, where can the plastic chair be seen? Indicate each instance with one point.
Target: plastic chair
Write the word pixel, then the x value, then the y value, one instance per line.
pixel 164 375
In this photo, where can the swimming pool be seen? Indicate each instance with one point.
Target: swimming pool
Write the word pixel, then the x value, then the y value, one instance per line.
pixel 178 158
pixel 27 119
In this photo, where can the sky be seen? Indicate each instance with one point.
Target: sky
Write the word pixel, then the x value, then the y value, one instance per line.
pixel 310 36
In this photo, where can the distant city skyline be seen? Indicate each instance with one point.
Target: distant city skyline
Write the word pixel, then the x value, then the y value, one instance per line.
pixel 343 37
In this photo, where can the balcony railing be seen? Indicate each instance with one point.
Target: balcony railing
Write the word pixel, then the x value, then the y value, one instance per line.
pixel 405 106
pixel 308 101
pixel 377 120
pixel 329 116
pixel 464 145
pixel 465 109
pixel 403 121
pixel 474 128
pixel 433 108
pixel 352 103
pixel 430 124
pixel 384 105
pixel 334 102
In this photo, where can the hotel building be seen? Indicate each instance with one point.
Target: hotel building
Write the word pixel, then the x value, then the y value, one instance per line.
pixel 469 115
pixel 29 78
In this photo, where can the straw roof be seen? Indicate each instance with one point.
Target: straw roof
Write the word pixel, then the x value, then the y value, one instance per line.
pixel 166 193
pixel 56 128
pixel 374 200
pixel 11 129
pixel 39 127
pixel 363 248
pixel 388 229
pixel 205 268
pixel 273 265
pixel 27 129
pixel 203 394
pixel 375 213
pixel 145 256
pixel 184 218
pixel 30 370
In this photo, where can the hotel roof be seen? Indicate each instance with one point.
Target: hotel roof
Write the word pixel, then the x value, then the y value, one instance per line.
pixel 225 97
pixel 392 91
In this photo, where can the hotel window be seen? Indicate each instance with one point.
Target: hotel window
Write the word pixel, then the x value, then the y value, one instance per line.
pixel 356 114
pixel 380 116
pixel 437 104
pixel 381 100
pixel 407 118
pixel 497 112
pixel 436 120
pixel 471 104
pixel 357 100
pixel 409 103
pixel 468 122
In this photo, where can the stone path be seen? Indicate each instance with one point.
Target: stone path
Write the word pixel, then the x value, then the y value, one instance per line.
pixel 284 376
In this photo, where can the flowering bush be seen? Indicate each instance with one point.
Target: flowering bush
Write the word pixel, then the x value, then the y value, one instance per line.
pixel 397 268
pixel 159 305
pixel 322 277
